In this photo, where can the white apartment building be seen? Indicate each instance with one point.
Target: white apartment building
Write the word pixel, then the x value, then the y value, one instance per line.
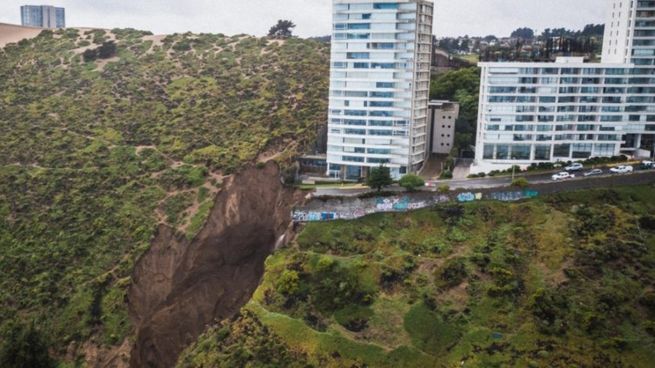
pixel 571 110
pixel 379 86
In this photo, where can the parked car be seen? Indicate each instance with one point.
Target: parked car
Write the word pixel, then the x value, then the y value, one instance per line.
pixel 594 172
pixel 574 167
pixel 647 165
pixel 622 169
pixel 563 176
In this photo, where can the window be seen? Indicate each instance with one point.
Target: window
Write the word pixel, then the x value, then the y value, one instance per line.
pixel 359 26
pixel 353 159
pixel 385 6
pixel 562 150
pixel 379 151
pixel 604 150
pixel 384 133
pixel 358 55
pixel 521 152
pixel 502 152
pixel 582 150
pixel 542 153
pixel 488 152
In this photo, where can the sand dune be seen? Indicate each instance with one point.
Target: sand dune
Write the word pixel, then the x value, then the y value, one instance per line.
pixel 12 33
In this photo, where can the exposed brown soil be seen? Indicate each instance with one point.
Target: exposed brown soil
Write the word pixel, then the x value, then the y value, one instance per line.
pixel 181 287
pixel 10 33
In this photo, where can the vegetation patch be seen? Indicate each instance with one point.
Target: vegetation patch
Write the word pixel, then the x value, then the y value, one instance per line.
pixel 552 282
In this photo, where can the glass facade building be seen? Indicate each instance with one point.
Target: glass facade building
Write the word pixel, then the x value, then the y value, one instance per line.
pixel 43 16
pixel 571 110
pixel 379 86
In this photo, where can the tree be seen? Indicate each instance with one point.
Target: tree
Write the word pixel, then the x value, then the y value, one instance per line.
pixel 283 29
pixel 523 33
pixel 411 182
pixel 24 347
pixel 379 178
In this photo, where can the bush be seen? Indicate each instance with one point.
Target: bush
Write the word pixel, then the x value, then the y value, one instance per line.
pixel 647 222
pixel 454 273
pixel 288 283
pixel 446 175
pixel 24 347
pixel 443 189
pixel 411 182
pixel 354 318
pixel 521 183
pixel 90 55
pixel 107 50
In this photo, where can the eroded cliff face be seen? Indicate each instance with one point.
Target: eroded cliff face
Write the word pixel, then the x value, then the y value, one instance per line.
pixel 180 287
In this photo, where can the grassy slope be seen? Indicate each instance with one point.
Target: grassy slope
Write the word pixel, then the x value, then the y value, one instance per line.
pixel 563 281
pixel 94 155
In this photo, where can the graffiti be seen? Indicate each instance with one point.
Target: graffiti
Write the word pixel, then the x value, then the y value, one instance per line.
pixel 401 204
pixel 359 213
pixel 417 205
pixel 513 196
pixel 441 199
pixel 466 197
pixel 384 204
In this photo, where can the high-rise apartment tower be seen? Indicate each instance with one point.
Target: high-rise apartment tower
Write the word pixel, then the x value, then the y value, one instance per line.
pixel 379 86
pixel 43 16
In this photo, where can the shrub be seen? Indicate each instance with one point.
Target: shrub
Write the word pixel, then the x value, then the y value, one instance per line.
pixel 354 318
pixel 454 273
pixel 411 182
pixel 647 222
pixel 107 50
pixel 446 174
pixel 288 283
pixel 521 183
pixel 24 347
pixel 90 55
pixel 443 189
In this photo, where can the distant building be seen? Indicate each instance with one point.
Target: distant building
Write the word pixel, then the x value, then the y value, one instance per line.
pixel 379 86
pixel 43 16
pixel 442 118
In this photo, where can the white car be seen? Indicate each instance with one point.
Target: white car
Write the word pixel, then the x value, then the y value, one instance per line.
pixel 594 172
pixel 622 170
pixel 563 176
pixel 574 167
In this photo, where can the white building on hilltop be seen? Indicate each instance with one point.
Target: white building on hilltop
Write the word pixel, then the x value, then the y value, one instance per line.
pixel 571 110
pixel 379 86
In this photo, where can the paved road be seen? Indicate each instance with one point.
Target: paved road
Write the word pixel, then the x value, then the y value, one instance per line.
pixel 481 183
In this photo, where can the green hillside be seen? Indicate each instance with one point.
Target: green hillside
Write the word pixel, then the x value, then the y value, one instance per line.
pixel 106 134
pixel 561 281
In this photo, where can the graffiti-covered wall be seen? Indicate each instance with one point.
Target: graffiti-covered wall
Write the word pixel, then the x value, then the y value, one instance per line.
pixel 350 208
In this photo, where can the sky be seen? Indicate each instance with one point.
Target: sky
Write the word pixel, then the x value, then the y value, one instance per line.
pixel 313 17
